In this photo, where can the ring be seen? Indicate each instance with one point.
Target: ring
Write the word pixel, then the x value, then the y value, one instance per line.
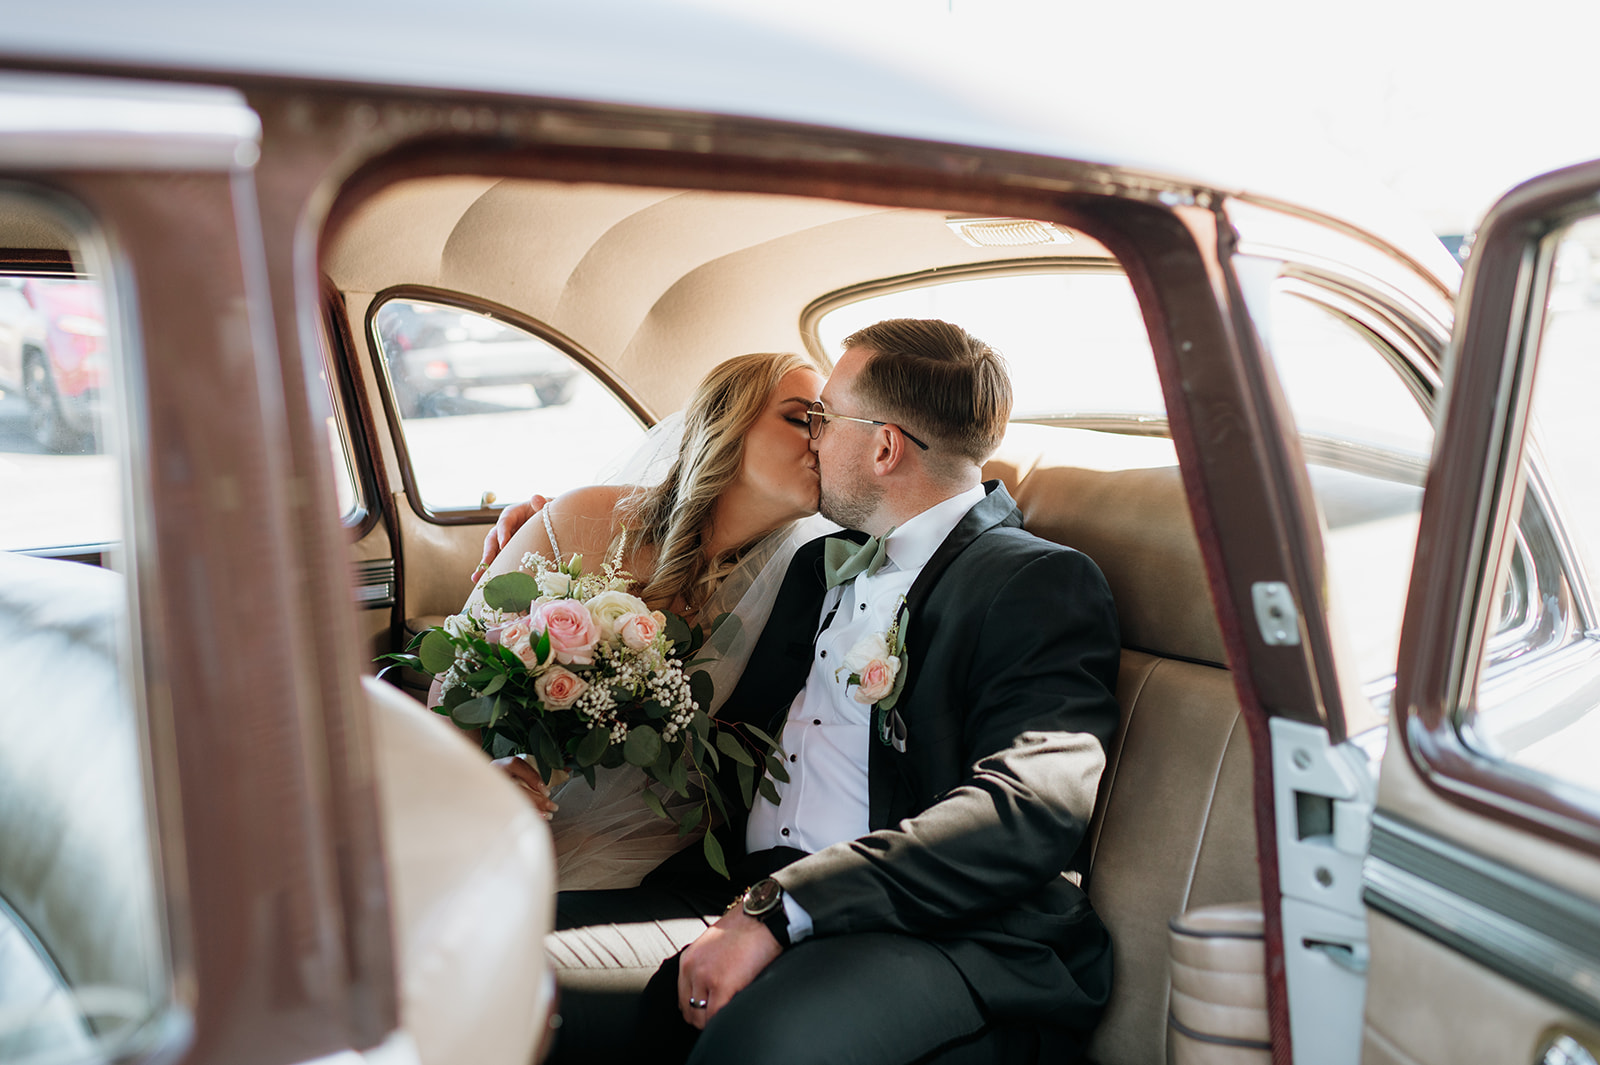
pixel 697 1003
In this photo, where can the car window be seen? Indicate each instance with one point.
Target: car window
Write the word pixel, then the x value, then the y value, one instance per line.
pixel 492 412
pixel 1536 711
pixel 59 480
pixel 84 969
pixel 1072 337
pixel 1366 440
pixel 347 490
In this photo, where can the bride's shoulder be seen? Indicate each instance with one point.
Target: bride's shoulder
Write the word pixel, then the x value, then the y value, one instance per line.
pixel 587 518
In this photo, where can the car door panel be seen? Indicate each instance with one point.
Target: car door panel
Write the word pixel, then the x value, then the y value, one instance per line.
pixel 1483 881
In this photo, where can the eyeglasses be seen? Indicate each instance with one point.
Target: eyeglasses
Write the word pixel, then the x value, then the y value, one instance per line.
pixel 817 417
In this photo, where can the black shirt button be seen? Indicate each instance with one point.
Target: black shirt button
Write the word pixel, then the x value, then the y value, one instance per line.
pixel 863 606
pixel 786 832
pixel 816 721
pixel 794 758
pixel 824 654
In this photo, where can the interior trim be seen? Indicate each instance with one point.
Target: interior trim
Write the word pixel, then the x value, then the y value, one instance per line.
pixel 1216 1040
pixel 1527 930
pixel 375 586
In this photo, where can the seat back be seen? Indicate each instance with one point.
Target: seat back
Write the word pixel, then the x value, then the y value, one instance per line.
pixel 1174 825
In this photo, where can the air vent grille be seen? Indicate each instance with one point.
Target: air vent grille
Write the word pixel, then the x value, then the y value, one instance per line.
pixel 1007 232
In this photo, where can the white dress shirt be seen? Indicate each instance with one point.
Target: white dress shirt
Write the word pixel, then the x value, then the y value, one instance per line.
pixel 828 734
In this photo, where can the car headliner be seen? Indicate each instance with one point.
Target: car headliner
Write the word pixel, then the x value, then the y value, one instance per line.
pixel 829 66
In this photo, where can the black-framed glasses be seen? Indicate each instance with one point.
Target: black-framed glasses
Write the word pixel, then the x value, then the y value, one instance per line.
pixel 818 416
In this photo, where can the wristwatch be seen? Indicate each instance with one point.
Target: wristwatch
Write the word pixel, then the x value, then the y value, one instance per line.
pixel 763 900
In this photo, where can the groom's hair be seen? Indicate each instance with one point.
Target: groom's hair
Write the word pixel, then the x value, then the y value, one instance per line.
pixel 938 381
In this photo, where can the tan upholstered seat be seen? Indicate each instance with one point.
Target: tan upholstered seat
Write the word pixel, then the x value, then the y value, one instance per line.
pixel 1174 827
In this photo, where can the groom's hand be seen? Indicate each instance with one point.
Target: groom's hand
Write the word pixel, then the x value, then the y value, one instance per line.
pixel 512 518
pixel 721 963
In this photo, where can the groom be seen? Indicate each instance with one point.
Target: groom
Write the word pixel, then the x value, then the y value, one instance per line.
pixel 915 895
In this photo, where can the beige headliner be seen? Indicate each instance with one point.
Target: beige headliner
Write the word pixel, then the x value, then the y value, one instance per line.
pixel 655 284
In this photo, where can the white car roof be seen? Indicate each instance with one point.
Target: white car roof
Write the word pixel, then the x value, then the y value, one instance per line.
pixel 1192 118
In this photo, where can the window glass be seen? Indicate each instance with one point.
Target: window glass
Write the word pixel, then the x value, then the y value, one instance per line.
pixel 492 411
pixel 346 491
pixel 60 484
pixel 83 965
pixel 1536 711
pixel 1073 338
pixel 1366 441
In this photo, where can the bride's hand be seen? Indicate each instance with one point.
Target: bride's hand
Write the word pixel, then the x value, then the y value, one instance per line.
pixel 526 776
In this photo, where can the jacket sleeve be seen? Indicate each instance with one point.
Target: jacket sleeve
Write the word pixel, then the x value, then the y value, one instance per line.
pixel 1041 707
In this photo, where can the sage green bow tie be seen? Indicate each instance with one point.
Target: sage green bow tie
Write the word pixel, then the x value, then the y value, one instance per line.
pixel 844 561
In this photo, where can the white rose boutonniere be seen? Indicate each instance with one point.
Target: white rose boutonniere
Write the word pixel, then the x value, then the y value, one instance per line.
pixel 878 666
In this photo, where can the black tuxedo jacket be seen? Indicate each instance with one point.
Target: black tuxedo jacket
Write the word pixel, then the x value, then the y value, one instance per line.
pixel 976 827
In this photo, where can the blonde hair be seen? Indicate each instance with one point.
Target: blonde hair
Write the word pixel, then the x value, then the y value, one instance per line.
pixel 675 515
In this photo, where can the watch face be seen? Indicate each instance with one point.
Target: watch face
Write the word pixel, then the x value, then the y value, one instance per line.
pixel 762 896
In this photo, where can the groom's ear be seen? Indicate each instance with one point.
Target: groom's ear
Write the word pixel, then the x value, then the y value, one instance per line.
pixel 889 450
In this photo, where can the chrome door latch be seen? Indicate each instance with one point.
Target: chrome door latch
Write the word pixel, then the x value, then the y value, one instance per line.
pixel 1565 1050
pixel 1276 615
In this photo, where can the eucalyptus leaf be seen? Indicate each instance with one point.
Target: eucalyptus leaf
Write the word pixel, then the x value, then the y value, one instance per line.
pixel 691 820
pixel 725 630
pixel 769 791
pixel 652 800
pixel 713 851
pixel 678 779
pixel 729 745
pixel 436 652
pixel 701 723
pixel 511 592
pixel 763 737
pixel 776 768
pixel 593 747
pixel 701 688
pixel 677 630
pixel 474 713
pixel 549 753
pixel 455 697
pixel 503 747
pixel 642 746
pixel 747 783
pixel 888 701
pixel 495 683
pixel 715 794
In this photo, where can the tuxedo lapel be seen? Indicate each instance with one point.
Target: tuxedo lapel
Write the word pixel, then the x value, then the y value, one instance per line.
pixel 886 767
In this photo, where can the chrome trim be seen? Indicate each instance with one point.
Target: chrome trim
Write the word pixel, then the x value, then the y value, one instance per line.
pixel 375 584
pixel 55 122
pixel 1529 931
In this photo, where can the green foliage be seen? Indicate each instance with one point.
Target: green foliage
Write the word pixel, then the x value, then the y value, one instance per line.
pixel 713 852
pixel 593 746
pixel 511 592
pixel 651 800
pixel 436 652
pixel 729 745
pixel 642 746
pixel 701 688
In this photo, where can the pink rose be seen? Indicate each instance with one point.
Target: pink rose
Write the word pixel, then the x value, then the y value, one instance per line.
pixel 877 679
pixel 639 631
pixel 572 630
pixel 559 688
pixel 509 632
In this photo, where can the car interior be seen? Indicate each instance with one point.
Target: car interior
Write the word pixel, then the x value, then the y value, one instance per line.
pixel 617 298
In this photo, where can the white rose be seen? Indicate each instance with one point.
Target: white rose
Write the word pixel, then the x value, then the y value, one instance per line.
pixel 608 608
pixel 870 649
pixel 554 584
pixel 459 625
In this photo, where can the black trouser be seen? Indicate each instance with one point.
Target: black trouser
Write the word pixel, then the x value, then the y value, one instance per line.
pixel 864 999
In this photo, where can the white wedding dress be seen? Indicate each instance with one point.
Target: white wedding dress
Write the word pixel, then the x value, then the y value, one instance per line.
pixel 605 836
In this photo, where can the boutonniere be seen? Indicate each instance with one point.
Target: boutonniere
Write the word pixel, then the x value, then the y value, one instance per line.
pixel 878 668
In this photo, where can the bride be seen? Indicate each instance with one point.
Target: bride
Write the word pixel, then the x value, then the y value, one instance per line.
pixel 713 537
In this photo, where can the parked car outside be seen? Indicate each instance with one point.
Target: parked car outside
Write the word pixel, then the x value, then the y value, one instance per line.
pixel 436 354
pixel 53 353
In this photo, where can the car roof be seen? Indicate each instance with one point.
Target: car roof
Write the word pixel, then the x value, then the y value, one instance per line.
pixel 822 64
